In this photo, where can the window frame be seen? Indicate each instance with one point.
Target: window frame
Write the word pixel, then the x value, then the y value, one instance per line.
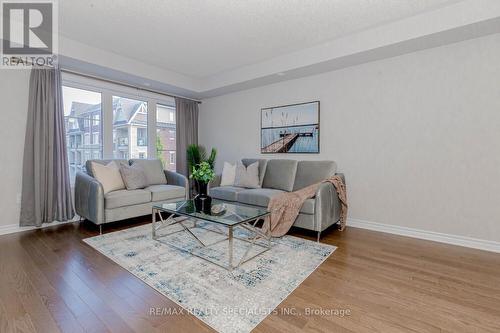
pixel 107 91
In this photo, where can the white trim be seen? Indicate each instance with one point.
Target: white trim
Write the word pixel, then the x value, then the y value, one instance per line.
pixel 474 243
pixel 151 128
pixel 13 228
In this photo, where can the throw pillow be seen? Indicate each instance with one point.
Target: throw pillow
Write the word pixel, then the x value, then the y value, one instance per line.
pixel 247 177
pixel 133 177
pixel 228 174
pixel 153 169
pixel 108 175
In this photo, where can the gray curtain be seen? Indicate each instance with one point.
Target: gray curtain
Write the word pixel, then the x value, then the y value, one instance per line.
pixel 46 191
pixel 186 112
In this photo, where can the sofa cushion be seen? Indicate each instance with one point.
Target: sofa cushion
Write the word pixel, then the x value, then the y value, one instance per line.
pixel 88 164
pixel 108 175
pixel 262 166
pixel 228 193
pixel 153 170
pixel 122 198
pixel 308 206
pixel 166 192
pixel 280 174
pixel 310 172
pixel 258 196
pixel 133 177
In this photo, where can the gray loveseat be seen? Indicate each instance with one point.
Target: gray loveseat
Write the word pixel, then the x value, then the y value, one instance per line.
pixel 92 204
pixel 277 176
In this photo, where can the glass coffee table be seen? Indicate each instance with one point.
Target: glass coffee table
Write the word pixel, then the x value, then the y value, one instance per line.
pixel 184 214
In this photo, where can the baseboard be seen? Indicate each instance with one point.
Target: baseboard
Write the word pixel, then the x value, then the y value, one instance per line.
pixel 474 243
pixel 13 228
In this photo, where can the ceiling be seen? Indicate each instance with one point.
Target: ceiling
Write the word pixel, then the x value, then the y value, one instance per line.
pixel 201 39
pixel 205 48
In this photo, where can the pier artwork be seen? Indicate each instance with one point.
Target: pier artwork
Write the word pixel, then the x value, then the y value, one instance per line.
pixel 285 142
pixel 282 145
pixel 290 129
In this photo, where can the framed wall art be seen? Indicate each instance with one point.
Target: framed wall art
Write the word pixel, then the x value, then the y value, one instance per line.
pixel 290 129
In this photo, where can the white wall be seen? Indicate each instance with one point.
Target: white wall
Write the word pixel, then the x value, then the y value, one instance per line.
pixel 14 107
pixel 417 136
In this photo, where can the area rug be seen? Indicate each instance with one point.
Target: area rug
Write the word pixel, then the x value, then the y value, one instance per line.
pixel 228 302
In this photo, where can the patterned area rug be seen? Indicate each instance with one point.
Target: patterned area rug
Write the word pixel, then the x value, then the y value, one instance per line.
pixel 234 301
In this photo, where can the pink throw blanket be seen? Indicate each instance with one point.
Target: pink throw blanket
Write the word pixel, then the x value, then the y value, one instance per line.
pixel 285 207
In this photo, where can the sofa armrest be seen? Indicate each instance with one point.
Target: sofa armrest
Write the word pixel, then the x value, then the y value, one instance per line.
pixel 175 178
pixel 327 205
pixel 89 198
pixel 341 175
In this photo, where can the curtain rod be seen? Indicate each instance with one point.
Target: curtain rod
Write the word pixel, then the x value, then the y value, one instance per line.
pixel 125 84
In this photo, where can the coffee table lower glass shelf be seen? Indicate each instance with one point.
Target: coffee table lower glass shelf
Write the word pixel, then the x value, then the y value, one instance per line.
pixel 182 217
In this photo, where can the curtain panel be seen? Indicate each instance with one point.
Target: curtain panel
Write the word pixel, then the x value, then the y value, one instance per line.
pixel 46 189
pixel 186 112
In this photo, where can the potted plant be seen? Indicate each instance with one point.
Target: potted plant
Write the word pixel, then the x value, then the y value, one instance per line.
pixel 202 174
pixel 197 154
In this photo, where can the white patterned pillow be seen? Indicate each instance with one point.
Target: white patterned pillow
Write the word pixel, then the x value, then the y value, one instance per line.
pixel 247 176
pixel 108 175
pixel 228 174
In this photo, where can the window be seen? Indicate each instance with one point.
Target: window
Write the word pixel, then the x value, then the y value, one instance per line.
pixel 142 136
pixel 80 106
pixel 96 129
pixel 165 136
pixel 130 121
pixel 96 118
pixel 86 139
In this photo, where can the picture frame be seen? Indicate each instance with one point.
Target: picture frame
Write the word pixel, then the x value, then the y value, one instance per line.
pixel 290 129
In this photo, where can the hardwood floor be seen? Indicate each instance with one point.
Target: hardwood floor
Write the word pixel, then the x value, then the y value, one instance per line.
pixel 50 281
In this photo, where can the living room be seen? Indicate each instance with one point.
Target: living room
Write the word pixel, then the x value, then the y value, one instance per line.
pixel 288 166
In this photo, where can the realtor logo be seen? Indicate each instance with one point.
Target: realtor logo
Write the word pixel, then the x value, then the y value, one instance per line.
pixel 29 33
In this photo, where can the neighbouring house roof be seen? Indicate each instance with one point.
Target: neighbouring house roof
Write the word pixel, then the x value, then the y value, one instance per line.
pixel 81 109
pixel 126 111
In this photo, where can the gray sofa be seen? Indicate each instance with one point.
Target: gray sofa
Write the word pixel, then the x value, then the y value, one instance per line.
pixel 92 204
pixel 277 176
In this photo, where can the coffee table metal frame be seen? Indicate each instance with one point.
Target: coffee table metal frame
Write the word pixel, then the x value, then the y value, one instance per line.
pixel 179 218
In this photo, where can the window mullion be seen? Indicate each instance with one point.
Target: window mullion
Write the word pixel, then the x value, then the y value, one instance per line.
pixel 151 129
pixel 107 124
